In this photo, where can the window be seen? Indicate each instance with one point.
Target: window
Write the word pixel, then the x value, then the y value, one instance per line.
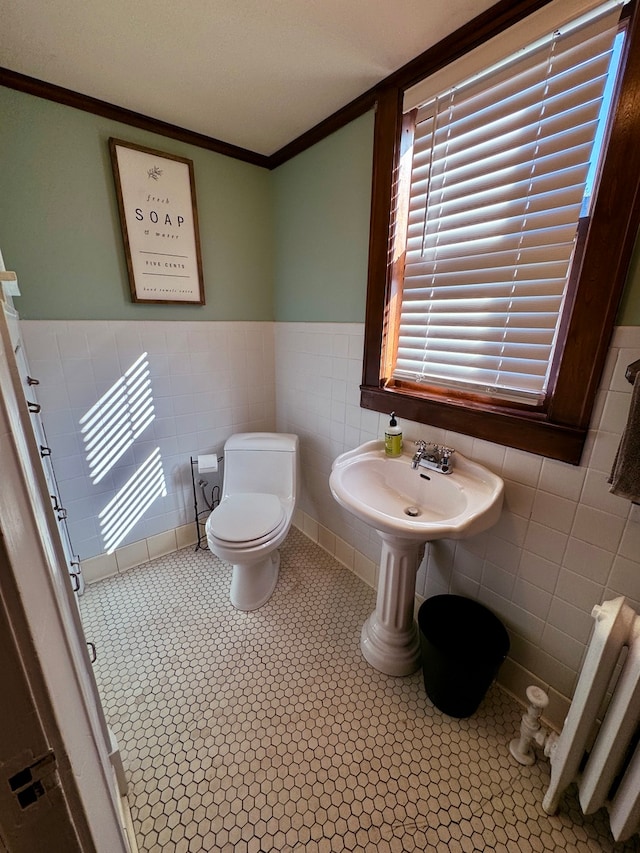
pixel 493 203
pixel 490 308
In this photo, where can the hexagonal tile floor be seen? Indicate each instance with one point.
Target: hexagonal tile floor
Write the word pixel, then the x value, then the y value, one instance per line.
pixel 252 732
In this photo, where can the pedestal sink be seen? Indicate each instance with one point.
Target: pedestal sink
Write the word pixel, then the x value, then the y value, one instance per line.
pixel 408 507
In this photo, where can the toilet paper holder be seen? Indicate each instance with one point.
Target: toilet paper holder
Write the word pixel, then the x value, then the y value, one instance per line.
pixel 207 463
pixel 204 464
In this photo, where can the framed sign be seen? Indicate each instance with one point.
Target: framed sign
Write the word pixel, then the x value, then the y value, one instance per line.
pixel 159 219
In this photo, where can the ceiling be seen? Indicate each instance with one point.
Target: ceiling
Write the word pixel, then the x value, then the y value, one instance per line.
pixel 252 73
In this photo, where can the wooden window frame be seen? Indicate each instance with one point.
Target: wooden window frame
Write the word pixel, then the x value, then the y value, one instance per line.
pixel 560 430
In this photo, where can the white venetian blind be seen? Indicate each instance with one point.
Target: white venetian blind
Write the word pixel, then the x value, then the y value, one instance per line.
pixel 497 182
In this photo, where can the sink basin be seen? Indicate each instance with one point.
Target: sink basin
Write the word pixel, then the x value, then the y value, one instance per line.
pixel 408 507
pixel 420 504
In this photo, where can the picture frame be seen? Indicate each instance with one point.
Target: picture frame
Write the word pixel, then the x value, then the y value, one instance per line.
pixel 159 221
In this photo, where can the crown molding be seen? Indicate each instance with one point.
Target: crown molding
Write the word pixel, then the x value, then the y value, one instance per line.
pixel 486 25
pixel 60 95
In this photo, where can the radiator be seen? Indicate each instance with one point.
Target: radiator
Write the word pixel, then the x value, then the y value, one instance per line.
pixel 604 761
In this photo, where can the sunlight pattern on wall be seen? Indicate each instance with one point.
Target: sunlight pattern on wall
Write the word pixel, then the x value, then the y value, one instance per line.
pixel 130 503
pixel 111 426
pixel 109 429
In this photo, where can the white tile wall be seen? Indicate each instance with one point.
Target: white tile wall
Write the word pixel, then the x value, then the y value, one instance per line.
pixel 208 380
pixel 563 544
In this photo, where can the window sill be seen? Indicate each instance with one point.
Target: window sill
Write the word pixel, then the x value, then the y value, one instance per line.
pixel 534 433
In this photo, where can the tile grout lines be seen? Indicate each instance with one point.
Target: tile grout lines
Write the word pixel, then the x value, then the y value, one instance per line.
pixel 252 732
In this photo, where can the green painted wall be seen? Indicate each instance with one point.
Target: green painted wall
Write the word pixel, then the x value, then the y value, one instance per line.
pixel 60 229
pixel 289 245
pixel 322 204
pixel 321 214
pixel 629 313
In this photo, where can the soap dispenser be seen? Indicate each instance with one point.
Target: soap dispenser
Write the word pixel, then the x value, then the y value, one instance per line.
pixel 393 438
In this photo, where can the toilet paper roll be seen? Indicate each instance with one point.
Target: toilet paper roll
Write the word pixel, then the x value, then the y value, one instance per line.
pixel 207 463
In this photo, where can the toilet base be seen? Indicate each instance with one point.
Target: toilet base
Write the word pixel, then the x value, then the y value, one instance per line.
pixel 253 585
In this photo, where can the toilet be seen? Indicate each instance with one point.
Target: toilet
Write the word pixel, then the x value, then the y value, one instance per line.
pixel 255 512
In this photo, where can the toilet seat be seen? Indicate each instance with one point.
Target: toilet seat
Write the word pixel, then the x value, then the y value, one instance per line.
pixel 246 519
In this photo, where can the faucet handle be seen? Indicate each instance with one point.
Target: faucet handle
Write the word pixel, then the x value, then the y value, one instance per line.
pixel 420 444
pixel 445 456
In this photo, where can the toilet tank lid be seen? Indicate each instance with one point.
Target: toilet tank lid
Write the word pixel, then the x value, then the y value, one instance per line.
pixel 275 441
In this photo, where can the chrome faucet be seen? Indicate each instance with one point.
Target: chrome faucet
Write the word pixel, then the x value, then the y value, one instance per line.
pixel 420 453
pixel 436 457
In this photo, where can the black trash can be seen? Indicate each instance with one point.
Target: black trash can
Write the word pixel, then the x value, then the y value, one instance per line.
pixel 463 645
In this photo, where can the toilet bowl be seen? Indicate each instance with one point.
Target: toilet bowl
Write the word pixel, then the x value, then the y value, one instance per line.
pixel 255 512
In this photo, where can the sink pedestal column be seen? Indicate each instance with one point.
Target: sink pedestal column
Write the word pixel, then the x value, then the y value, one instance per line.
pixel 389 640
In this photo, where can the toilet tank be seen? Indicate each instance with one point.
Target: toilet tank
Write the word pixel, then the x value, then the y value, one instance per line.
pixel 261 462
